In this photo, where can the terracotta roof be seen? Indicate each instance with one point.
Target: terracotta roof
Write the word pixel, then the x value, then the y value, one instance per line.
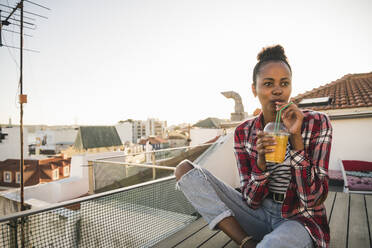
pixel 257 111
pixel 350 91
pixel 152 140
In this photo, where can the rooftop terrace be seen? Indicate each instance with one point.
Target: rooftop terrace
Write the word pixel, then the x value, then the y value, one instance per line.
pixel 155 214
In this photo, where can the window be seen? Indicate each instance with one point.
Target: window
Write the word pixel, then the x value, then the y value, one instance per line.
pixel 7 176
pixel 18 177
pixel 66 171
pixel 55 174
pixel 317 101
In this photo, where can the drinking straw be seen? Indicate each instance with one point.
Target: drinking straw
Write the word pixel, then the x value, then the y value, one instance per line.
pixel 278 115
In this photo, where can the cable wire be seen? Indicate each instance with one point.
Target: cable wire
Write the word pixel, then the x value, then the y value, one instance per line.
pixel 24 17
pixel 41 6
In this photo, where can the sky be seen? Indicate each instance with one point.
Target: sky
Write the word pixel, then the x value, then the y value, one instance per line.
pixel 100 62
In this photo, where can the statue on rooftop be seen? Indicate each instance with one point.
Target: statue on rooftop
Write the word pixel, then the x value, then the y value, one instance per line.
pixel 239 113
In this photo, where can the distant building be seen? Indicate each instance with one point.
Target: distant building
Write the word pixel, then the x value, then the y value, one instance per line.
pixel 126 131
pixel 35 171
pixel 134 130
pixel 155 127
pixel 177 139
pixel 205 130
pixel 10 147
pixel 156 142
pixel 348 103
pixel 209 122
pixel 50 140
pixel 97 138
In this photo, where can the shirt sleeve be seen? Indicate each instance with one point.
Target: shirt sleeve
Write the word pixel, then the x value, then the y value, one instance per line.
pixel 253 180
pixel 310 166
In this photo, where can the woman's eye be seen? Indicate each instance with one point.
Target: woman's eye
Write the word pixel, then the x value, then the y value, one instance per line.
pixel 285 83
pixel 267 83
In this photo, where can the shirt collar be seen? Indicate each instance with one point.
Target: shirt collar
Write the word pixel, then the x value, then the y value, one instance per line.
pixel 259 125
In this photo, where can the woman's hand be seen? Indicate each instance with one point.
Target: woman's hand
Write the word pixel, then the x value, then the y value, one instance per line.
pixel 292 118
pixel 263 141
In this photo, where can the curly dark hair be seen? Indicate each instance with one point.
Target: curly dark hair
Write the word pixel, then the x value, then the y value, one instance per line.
pixel 271 53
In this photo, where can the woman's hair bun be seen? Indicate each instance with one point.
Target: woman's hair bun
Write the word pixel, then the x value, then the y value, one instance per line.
pixel 272 53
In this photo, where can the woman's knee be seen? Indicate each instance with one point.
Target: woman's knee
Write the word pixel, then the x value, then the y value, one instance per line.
pixel 182 168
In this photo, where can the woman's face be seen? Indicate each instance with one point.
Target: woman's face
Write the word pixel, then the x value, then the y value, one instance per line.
pixel 273 84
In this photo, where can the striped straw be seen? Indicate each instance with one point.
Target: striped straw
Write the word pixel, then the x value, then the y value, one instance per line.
pixel 278 116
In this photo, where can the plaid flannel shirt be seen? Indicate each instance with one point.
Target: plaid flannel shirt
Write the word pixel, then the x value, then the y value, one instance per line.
pixel 308 187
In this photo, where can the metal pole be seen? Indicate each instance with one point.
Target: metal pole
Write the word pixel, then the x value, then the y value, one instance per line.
pixel 21 103
pixel 21 129
pixel 1 26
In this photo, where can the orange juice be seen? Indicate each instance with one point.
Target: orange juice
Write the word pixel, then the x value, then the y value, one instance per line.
pixel 279 149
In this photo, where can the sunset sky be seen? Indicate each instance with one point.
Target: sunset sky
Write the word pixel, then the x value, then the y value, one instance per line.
pixel 105 61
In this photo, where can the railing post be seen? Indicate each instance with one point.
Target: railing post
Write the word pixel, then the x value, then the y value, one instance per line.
pixel 153 163
pixel 13 239
pixel 91 177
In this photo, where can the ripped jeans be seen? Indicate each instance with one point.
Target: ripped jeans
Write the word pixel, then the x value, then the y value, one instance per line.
pixel 215 200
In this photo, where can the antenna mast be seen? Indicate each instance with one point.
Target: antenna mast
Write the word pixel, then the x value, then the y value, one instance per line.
pixel 22 97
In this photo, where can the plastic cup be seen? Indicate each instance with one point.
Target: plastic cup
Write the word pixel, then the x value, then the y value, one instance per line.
pixel 281 137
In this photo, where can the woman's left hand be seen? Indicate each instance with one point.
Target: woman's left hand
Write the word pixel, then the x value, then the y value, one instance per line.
pixel 292 118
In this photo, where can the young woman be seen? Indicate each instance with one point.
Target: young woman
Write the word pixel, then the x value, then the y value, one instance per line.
pixel 280 205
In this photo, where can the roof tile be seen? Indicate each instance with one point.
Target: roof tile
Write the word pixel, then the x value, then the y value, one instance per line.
pixel 350 91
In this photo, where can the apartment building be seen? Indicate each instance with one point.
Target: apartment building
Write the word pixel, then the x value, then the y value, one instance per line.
pixel 134 130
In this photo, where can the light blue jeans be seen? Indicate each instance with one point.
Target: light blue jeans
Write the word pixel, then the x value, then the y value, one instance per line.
pixel 215 200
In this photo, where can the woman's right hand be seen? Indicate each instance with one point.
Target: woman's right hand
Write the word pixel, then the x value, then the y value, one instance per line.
pixel 263 141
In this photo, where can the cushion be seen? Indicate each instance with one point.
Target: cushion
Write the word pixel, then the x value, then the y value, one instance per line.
pixel 335 178
pixel 335 174
pixel 357 165
pixel 359 173
pixel 359 183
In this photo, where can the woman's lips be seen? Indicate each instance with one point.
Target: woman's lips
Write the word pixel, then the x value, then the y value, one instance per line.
pixel 277 103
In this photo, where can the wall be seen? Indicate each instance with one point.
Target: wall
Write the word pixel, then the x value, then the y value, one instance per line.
pixel 53 137
pixel 65 135
pixel 8 206
pixel 125 131
pixel 10 146
pixel 177 142
pixel 201 135
pixel 220 160
pixel 352 140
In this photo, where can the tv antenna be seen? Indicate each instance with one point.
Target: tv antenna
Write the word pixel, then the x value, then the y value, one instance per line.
pixel 18 19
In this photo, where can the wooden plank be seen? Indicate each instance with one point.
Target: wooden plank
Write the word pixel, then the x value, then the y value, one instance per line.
pixel 219 240
pixel 176 238
pixel 329 203
pixel 198 238
pixel 369 214
pixel 358 229
pixel 338 221
pixel 231 244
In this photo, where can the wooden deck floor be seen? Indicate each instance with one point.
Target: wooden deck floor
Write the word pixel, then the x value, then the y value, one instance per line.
pixel 349 215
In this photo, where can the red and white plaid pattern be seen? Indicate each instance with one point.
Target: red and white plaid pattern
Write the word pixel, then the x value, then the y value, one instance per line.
pixel 308 187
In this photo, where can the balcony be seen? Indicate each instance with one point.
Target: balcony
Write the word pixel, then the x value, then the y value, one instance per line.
pixel 155 214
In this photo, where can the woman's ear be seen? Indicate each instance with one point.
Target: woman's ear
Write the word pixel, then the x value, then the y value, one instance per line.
pixel 254 90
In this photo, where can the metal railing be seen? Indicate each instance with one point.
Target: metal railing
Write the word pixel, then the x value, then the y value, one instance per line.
pixel 135 216
pixel 110 172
